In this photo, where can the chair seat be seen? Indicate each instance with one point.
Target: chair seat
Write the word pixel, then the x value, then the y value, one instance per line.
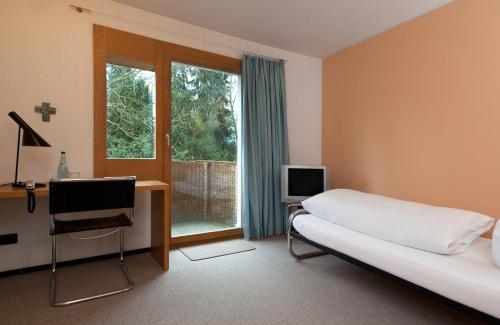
pixel 69 226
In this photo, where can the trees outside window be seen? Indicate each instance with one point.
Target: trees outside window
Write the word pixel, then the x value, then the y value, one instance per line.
pixel 130 118
pixel 203 114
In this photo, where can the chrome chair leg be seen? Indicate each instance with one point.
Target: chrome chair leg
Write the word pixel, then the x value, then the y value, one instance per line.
pixel 53 273
pixel 289 236
pixel 124 269
pixel 122 261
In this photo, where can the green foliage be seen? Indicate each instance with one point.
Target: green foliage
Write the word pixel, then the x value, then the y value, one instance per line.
pixel 130 109
pixel 203 121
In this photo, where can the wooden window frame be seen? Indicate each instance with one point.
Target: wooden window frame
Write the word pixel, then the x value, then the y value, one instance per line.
pixel 118 47
pixel 182 54
pixel 137 51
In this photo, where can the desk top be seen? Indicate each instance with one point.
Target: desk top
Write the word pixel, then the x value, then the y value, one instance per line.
pixel 140 186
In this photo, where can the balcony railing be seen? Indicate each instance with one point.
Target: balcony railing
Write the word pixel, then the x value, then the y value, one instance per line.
pixel 204 191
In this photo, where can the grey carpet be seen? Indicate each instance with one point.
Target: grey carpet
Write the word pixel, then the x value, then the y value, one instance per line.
pixel 264 286
pixel 211 250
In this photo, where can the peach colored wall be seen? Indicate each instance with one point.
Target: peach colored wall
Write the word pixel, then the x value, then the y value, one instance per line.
pixel 414 113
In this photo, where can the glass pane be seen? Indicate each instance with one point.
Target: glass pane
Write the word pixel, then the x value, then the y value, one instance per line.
pixel 131 112
pixel 205 125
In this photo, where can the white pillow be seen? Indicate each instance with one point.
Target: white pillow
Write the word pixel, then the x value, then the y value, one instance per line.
pixel 426 227
pixel 496 245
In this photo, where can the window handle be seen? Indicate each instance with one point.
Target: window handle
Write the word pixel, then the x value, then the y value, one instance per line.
pixel 167 140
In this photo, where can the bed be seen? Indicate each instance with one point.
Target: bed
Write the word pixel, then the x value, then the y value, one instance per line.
pixel 469 278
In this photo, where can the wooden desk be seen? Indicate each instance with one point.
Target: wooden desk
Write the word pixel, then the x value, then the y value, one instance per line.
pixel 160 220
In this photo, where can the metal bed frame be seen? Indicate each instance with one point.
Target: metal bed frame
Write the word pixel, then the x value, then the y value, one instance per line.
pixel 292 234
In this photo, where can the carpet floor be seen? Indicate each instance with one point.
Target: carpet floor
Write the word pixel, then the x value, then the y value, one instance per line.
pixel 263 286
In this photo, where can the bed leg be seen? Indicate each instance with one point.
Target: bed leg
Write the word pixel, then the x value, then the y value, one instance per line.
pixel 289 237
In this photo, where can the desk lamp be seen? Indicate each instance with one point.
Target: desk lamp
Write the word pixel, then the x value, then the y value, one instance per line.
pixel 30 138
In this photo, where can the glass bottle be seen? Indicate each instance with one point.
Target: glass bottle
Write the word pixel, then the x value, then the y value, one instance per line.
pixel 62 170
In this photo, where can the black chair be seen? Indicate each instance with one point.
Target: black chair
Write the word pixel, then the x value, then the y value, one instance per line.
pixel 70 195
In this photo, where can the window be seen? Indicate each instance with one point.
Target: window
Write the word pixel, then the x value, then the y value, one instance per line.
pixel 131 112
pixel 205 112
pixel 128 111
pixel 146 121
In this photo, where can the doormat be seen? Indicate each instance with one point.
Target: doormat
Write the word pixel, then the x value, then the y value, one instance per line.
pixel 210 250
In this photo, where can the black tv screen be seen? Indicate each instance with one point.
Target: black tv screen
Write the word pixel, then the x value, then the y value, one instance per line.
pixel 305 181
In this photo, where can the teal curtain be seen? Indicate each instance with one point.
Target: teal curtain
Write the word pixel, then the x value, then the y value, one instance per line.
pixel 264 146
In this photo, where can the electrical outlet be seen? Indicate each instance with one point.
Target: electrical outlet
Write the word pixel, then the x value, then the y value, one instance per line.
pixel 8 239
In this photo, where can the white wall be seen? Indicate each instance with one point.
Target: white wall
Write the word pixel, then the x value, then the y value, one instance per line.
pixel 46 55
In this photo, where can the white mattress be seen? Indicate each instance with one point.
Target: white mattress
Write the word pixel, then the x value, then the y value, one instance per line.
pixel 470 278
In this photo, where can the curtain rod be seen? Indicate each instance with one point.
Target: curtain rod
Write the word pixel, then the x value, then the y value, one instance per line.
pixel 263 56
pixel 243 52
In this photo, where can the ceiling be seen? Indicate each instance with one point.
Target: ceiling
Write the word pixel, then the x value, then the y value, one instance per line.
pixel 316 28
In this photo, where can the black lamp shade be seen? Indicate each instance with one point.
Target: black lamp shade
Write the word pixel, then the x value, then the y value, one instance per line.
pixel 30 137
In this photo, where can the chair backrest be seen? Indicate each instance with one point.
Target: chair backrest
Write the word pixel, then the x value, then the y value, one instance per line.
pixel 78 195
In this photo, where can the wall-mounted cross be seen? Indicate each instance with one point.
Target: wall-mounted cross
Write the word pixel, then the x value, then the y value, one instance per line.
pixel 46 110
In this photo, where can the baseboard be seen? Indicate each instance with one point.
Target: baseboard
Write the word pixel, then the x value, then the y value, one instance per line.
pixel 72 262
pixel 196 239
pixel 205 241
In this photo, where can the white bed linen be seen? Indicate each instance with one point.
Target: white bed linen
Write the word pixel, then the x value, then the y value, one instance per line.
pixel 496 245
pixel 470 278
pixel 431 228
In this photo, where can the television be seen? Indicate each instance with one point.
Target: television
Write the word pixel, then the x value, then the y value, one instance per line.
pixel 301 182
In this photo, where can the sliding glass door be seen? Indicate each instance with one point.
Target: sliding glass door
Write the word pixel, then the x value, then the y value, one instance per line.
pixel 205 117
